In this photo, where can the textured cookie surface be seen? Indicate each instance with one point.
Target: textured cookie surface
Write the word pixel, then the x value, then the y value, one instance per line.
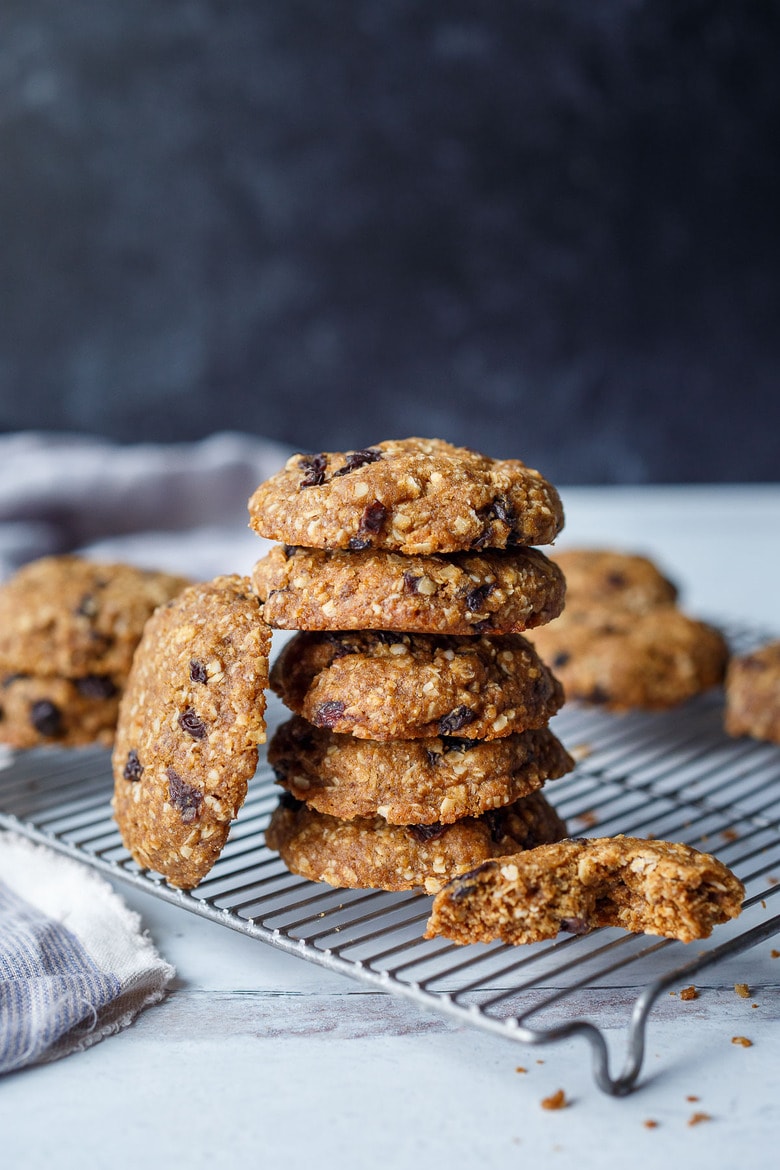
pixel 410 496
pixel 410 782
pixel 626 660
pixel 610 577
pixel 484 593
pixel 71 617
pixel 189 725
pixel 35 711
pixel 654 887
pixel 753 694
pixel 381 685
pixel 372 854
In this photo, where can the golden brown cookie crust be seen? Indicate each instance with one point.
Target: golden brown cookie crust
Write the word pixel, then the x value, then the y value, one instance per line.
pixel 189 725
pixel 71 617
pixel 609 577
pixel 412 782
pixel 485 593
pixel 414 496
pixel 654 887
pixel 369 853
pixel 753 694
pixel 40 711
pixel 383 686
pixel 623 660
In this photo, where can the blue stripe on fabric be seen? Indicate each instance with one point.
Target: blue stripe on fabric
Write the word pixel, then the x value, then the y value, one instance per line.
pixel 49 983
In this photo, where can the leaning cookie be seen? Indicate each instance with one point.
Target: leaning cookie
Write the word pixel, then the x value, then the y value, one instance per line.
pixel 383 685
pixel 414 496
pixel 369 853
pixel 412 782
pixel 618 579
pixel 73 618
pixel 654 887
pixel 623 660
pixel 189 725
pixel 37 711
pixel 753 694
pixel 476 593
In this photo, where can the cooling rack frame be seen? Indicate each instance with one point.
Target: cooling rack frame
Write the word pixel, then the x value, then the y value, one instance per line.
pixel 673 775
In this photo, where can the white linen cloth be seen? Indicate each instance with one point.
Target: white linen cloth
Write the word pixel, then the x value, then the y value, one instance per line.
pixel 75 964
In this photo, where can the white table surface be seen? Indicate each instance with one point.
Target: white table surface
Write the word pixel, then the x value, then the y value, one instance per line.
pixel 259 1058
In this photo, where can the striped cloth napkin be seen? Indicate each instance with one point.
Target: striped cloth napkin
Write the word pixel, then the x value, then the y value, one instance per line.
pixel 75 964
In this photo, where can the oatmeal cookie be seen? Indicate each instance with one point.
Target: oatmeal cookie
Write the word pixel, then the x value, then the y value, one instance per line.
pixel 367 852
pixel 609 577
pixel 414 496
pixel 36 710
pixel 189 725
pixel 753 694
pixel 69 617
pixel 412 782
pixel 382 685
pixel 479 593
pixel 651 887
pixel 626 660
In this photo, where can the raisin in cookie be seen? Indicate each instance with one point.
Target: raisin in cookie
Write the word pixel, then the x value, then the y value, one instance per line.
pixel 369 853
pixel 36 711
pixel 381 685
pixel 753 694
pixel 412 782
pixel 415 496
pixel 484 593
pixel 69 617
pixel 622 580
pixel 626 660
pixel 189 725
pixel 654 887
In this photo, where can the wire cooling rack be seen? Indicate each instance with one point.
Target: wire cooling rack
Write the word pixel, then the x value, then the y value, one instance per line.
pixel 671 776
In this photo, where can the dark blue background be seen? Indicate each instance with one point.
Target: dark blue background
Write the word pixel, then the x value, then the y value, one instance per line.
pixel 547 229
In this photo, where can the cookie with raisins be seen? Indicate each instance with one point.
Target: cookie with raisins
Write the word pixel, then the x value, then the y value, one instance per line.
pixel 753 694
pixel 623 660
pixel 468 593
pixel 618 579
pixel 71 617
pixel 384 686
pixel 414 496
pixel 416 781
pixel 190 722
pixel 369 853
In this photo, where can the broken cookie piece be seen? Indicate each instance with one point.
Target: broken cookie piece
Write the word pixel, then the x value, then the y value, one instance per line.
pixel 651 887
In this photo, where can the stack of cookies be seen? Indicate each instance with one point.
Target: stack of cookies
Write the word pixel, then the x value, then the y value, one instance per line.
pixel 68 630
pixel 419 742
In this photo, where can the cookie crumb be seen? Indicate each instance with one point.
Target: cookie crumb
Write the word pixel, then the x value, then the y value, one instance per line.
pixel 695 1118
pixel 520 1069
pixel 555 1101
pixel 588 819
pixel 773 954
pixel 650 1123
pixel 742 1040
pixel 742 990
pixel 730 835
pixel 689 993
pixel 692 1097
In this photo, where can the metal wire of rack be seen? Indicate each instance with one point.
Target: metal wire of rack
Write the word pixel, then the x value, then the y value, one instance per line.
pixel 673 775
